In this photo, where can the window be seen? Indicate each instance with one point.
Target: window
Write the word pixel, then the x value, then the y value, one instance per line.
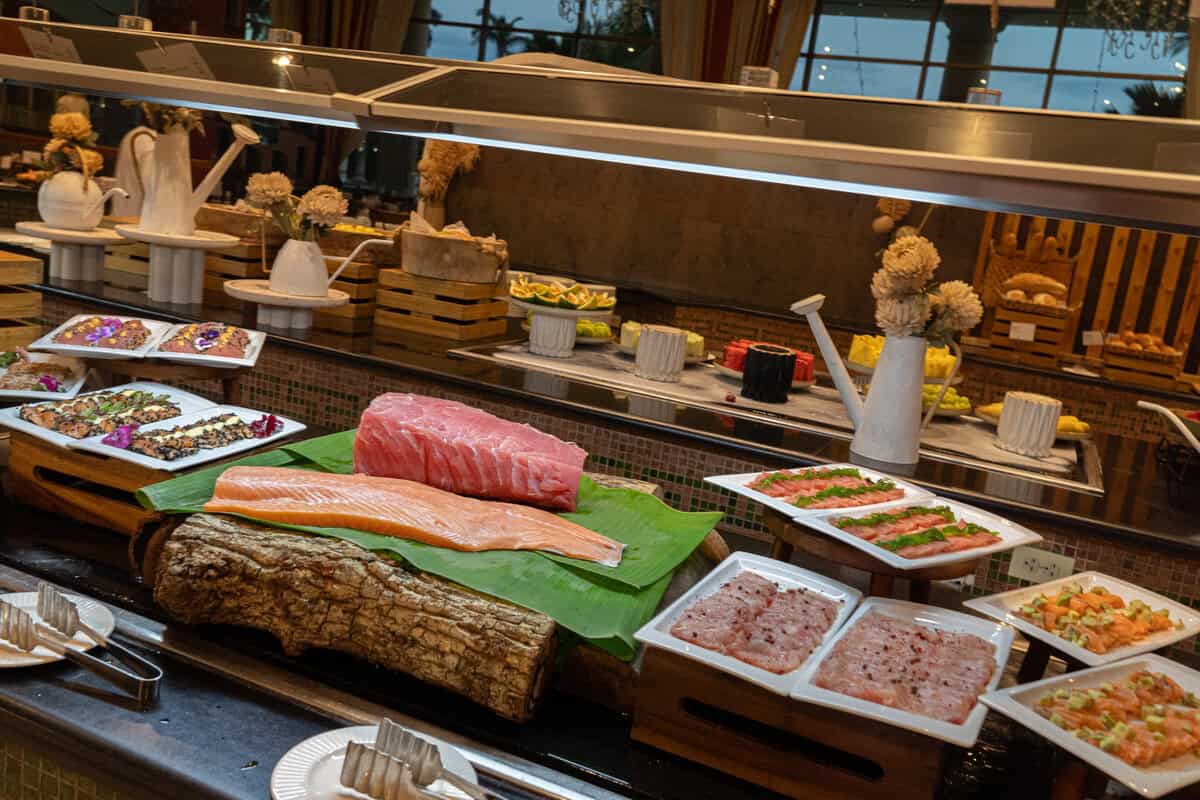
pixel 624 33
pixel 1056 58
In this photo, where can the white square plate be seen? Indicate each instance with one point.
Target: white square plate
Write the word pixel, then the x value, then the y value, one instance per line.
pixel 70 388
pixel 10 417
pixel 963 735
pixel 1002 607
pixel 1018 703
pixel 1011 534
pixel 740 484
pixel 253 350
pixel 657 632
pixel 95 445
pixel 47 343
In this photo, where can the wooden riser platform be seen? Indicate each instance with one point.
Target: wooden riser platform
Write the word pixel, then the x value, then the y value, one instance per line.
pixel 790 747
pixel 445 309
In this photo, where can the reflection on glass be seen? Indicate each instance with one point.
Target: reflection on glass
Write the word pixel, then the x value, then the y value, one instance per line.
pixel 1025 38
pixel 873 28
pixel 630 55
pixel 446 41
pixel 1017 89
pixel 1117 96
pixel 450 10
pixel 798 75
pixel 500 39
pixel 864 78
pixel 1086 47
pixel 537 14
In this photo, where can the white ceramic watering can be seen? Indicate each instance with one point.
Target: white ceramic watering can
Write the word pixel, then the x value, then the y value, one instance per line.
pixel 299 268
pixel 887 427
pixel 171 204
pixel 68 200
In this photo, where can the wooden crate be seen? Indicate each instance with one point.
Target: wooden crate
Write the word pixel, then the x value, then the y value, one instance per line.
pixel 1050 339
pixel 357 316
pixel 1141 372
pixel 340 243
pixel 88 487
pixel 241 261
pixel 440 308
pixel 797 749
pixel 17 269
pixel 127 266
pixel 18 303
pixel 16 333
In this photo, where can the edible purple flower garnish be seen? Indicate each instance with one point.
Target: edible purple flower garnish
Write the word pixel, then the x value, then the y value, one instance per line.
pixel 210 333
pixel 122 437
pixel 50 383
pixel 203 343
pixel 265 426
pixel 108 328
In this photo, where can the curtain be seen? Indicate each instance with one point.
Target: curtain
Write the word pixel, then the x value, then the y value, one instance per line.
pixel 711 40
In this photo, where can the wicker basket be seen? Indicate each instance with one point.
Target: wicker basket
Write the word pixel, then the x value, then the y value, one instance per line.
pixel 1027 307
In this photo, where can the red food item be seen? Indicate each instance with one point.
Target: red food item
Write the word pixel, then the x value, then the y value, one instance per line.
pixel 909 667
pixel 467 451
pixel 734 357
pixel 1193 415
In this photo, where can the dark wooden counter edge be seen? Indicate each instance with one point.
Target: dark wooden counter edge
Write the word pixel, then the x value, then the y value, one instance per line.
pixel 765 452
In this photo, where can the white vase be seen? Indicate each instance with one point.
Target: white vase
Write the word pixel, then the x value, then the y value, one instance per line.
pixel 661 351
pixel 890 430
pixel 299 268
pixel 552 335
pixel 169 206
pixel 66 200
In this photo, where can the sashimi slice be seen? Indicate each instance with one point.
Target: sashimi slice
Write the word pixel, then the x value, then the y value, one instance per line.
pixel 890 530
pixel 713 621
pixel 783 636
pixel 405 509
pixel 466 450
pixel 807 488
pixel 864 499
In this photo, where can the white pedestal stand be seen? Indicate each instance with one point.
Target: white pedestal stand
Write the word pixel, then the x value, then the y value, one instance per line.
pixel 74 255
pixel 283 311
pixel 177 262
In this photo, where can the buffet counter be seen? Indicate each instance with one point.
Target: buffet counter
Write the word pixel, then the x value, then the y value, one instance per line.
pixel 233 703
pixel 1117 487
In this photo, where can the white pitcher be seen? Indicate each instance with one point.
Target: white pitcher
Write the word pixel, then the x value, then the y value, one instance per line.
pixel 168 205
pixel 890 432
pixel 68 200
pixel 299 267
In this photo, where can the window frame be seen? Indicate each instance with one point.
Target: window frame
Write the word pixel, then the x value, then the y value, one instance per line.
pixel 1063 9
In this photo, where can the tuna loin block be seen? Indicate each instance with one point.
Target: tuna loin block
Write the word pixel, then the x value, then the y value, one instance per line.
pixel 467 451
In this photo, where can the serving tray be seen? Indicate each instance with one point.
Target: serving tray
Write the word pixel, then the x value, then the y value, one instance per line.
pixel 253 351
pixel 1003 605
pixel 47 344
pixel 657 632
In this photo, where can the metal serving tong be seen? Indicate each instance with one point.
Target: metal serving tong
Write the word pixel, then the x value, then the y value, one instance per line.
pixel 61 621
pixel 399 765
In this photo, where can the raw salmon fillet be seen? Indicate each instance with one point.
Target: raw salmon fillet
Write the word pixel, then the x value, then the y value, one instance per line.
pixel 466 451
pixel 405 509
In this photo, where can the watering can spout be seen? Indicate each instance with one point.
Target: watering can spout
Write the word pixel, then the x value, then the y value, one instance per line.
pixel 350 258
pixel 242 136
pixel 104 199
pixel 810 308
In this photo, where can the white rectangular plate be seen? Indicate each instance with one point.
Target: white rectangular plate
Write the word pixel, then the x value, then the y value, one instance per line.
pixel 10 417
pixel 740 484
pixel 1018 703
pixel 47 343
pixel 1011 534
pixel 1003 607
pixel 253 350
pixel 657 632
pixel 95 445
pixel 70 388
pixel 963 735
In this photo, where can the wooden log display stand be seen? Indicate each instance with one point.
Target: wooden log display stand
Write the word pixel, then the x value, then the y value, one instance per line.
pixel 87 487
pixel 788 746
pixel 20 308
pixel 443 308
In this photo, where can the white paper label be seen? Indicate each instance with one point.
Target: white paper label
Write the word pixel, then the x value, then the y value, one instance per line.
pixel 1093 338
pixel 182 59
pixel 5 162
pixel 30 156
pixel 310 79
pixel 1022 331
pixel 43 44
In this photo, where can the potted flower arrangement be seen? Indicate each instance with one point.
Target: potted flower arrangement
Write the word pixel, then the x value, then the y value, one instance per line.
pixel 299 267
pixel 911 310
pixel 68 197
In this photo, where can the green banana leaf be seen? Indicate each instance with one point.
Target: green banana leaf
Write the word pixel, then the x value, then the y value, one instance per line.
pixel 594 602
pixel 657 538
